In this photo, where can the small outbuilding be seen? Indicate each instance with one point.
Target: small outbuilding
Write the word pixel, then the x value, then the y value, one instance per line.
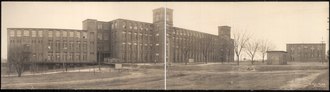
pixel 276 57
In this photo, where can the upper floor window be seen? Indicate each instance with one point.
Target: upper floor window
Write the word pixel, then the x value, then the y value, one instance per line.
pixel 12 33
pixel 40 33
pixel 106 36
pixel 57 33
pixel 84 35
pixel 77 34
pixel 19 33
pixel 99 36
pixel 92 35
pixel 71 34
pixel 34 34
pixel 50 33
pixel 99 26
pixel 64 33
pixel 26 33
pixel 113 26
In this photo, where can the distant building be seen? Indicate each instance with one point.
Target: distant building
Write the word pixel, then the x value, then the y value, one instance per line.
pixel 306 52
pixel 276 57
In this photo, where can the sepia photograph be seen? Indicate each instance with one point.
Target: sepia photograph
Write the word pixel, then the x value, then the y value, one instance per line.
pixel 165 45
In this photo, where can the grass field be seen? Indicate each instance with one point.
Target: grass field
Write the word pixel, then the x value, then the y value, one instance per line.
pixel 179 76
pixel 228 77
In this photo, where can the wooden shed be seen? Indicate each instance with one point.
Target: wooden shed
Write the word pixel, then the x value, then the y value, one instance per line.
pixel 276 57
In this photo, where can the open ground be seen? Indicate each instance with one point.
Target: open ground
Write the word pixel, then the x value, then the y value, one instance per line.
pixel 227 76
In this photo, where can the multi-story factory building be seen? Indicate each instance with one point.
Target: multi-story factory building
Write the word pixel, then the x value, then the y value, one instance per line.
pixel 183 44
pixel 124 41
pixel 54 45
pixel 306 52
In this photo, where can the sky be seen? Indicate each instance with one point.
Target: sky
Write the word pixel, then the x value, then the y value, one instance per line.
pixel 279 22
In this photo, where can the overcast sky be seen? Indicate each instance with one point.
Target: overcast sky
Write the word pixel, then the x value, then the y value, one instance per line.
pixel 280 22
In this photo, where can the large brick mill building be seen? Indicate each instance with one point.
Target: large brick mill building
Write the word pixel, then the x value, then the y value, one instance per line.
pixel 306 52
pixel 124 41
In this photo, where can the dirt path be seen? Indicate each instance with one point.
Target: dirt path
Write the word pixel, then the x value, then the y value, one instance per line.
pixel 300 83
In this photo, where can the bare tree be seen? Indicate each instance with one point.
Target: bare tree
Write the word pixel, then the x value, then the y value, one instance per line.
pixel 251 49
pixel 240 40
pixel 265 46
pixel 18 57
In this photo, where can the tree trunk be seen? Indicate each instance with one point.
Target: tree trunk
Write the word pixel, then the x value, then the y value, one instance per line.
pixel 99 66
pixel 237 59
pixel 66 68
pixel 19 71
pixel 263 58
pixel 206 59
pixel 19 74
pixel 186 61
pixel 252 61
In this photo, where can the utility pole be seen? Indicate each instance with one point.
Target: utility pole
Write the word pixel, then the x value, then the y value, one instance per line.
pixel 322 56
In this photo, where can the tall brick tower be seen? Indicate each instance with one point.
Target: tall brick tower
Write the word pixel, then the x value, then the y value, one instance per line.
pixel 159 31
pixel 226 44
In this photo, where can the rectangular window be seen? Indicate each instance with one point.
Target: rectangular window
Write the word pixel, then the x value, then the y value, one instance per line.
pixel 64 33
pixel 40 33
pixel 71 34
pixel 50 33
pixel 34 33
pixel 19 33
pixel 99 36
pixel 57 33
pixel 92 35
pixel 106 37
pixel 78 34
pixel 26 33
pixel 84 35
pixel 99 26
pixel 12 33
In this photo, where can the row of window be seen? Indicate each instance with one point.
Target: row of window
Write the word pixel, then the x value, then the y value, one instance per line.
pixel 135 26
pixel 67 34
pixel 19 33
pixel 312 48
pixel 187 33
pixel 34 33
pixel 69 56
